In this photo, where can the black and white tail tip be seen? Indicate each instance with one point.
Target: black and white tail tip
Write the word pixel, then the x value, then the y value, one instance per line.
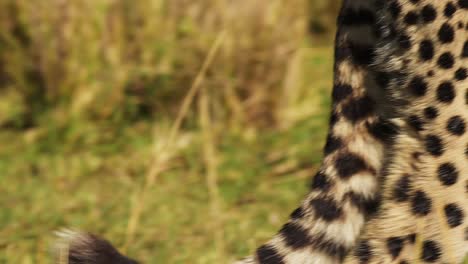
pixel 73 247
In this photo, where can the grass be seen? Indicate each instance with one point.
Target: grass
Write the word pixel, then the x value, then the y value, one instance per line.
pixel 59 59
pixel 87 176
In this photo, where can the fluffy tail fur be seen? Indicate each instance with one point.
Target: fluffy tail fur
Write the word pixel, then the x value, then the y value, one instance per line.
pixel 74 247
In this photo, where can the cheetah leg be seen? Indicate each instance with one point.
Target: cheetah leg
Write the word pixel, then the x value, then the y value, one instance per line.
pixel 345 190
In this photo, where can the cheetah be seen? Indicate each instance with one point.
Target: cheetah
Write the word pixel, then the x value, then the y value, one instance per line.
pixel 393 184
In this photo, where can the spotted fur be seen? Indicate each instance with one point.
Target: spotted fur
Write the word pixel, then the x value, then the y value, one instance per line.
pixel 393 184
pixel 397 138
pixel 425 201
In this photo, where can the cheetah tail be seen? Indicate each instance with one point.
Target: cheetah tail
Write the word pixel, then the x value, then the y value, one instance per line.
pixel 73 247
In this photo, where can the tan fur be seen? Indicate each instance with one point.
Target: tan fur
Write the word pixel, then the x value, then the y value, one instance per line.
pixel 396 221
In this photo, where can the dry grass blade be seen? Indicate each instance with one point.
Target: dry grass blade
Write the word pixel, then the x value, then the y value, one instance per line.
pixel 140 197
pixel 211 164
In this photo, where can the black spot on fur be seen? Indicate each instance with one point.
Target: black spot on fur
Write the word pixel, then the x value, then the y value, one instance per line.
pixel 426 50
pixel 417 86
pixel 269 255
pixel 431 112
pixel 333 144
pixel 463 4
pixel 341 92
pixel 447 173
pixel 421 204
pixel 395 245
pixel 404 41
pixel 334 118
pixel 416 122
pixel 454 215
pixel 464 53
pixel 348 164
pixel 461 74
pixel 411 238
pixel 434 145
pixel 449 10
pixel 395 8
pixel 456 125
pixel 402 188
pixel 298 213
pixel 445 92
pixel 363 251
pixel 362 54
pixel 295 236
pixel 358 109
pixel 383 130
pixel 329 247
pixel 446 33
pixel 321 182
pixel 366 205
pixel 431 251
pixel 446 60
pixel 326 209
pixel 428 14
pixel 411 18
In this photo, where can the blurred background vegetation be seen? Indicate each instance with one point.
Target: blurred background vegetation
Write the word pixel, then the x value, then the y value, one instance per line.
pixel 183 131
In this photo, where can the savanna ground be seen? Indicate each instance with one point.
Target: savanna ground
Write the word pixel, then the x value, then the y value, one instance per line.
pixel 183 131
